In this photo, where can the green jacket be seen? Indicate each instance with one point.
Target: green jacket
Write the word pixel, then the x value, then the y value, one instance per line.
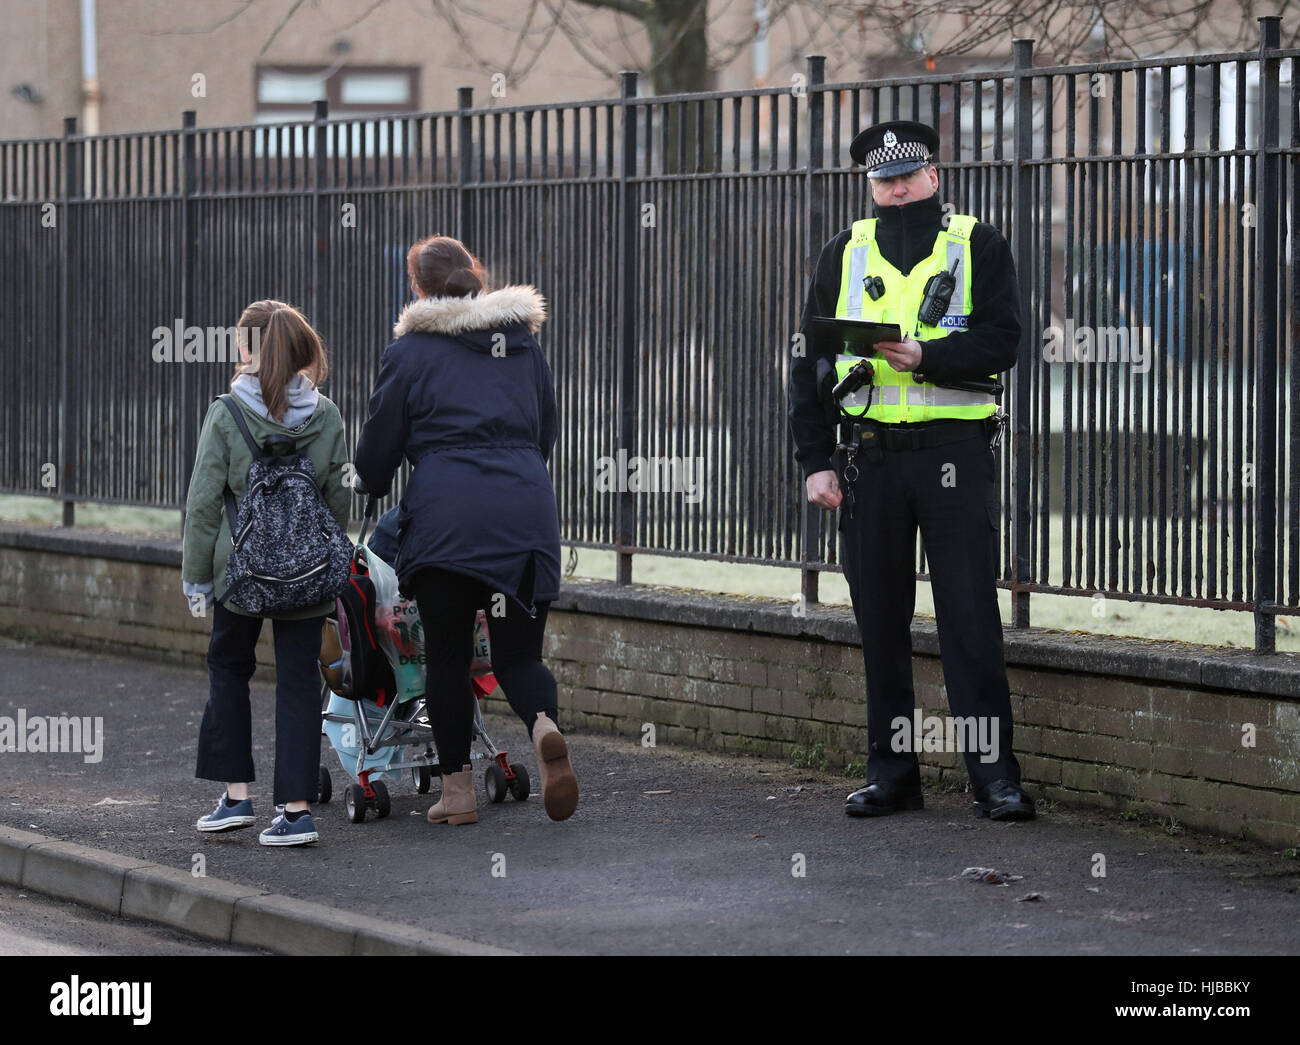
pixel 224 458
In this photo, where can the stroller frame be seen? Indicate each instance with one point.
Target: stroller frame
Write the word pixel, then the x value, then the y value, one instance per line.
pixel 411 730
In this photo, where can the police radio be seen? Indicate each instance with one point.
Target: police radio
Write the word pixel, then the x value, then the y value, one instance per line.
pixel 938 292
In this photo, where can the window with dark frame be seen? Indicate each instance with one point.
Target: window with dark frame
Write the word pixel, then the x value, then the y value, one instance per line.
pixel 286 92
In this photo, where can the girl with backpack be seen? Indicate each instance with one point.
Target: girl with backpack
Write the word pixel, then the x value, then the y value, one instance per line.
pixel 466 396
pixel 274 394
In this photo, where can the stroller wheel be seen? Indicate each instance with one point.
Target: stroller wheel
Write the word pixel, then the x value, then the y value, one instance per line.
pixel 494 781
pixel 422 779
pixel 383 805
pixel 355 800
pixel 519 786
pixel 326 785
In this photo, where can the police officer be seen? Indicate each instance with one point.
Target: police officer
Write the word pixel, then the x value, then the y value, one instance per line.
pixel 923 460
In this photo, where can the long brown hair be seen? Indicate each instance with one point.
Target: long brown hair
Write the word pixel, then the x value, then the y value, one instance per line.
pixel 283 344
pixel 442 268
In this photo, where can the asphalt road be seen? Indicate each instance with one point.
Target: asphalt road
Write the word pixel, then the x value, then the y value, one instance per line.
pixel 671 851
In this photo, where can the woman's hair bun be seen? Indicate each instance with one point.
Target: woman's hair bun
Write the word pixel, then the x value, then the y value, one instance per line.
pixel 463 281
pixel 441 267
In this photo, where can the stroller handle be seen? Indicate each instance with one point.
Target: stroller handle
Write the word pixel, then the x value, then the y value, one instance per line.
pixel 372 505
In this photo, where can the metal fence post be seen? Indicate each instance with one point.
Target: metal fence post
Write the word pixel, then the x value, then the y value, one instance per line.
pixel 72 167
pixel 465 166
pixel 1022 248
pixel 812 517
pixel 1266 291
pixel 320 218
pixel 625 514
pixel 189 259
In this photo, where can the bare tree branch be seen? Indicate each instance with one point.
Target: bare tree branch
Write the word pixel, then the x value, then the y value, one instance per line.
pixel 1065 28
pixel 593 57
pixel 364 15
pixel 206 29
pixel 638 9
pixel 283 22
pixel 1067 31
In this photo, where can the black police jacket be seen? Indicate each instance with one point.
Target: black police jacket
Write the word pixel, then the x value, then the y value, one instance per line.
pixel 906 236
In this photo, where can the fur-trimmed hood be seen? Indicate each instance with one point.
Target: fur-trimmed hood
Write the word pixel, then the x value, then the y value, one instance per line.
pixel 489 311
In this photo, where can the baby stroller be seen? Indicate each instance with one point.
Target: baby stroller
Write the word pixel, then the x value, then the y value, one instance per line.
pixel 373 702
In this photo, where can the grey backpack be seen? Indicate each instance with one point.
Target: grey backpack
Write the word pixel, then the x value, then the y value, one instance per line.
pixel 289 553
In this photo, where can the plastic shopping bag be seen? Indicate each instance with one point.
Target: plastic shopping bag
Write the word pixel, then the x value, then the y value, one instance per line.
pixel 401 634
pixel 482 662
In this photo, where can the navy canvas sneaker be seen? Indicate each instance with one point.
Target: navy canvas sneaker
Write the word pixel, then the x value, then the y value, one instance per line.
pixel 227 816
pixel 282 832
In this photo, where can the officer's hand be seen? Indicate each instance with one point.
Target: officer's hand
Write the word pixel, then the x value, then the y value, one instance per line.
pixel 824 489
pixel 901 355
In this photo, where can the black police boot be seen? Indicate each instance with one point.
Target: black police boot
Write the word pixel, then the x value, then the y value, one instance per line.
pixel 1005 800
pixel 882 799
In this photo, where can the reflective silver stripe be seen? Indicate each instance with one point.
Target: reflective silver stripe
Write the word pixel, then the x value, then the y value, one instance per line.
pixel 957 254
pixel 857 272
pixel 955 397
pixel 886 395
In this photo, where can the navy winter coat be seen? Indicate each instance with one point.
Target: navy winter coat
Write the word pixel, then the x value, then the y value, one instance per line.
pixel 466 395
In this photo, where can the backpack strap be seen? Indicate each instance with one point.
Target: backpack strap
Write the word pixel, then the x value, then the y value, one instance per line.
pixel 238 415
pixel 228 495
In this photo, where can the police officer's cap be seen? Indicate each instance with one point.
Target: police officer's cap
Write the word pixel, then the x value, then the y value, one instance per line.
pixel 897 147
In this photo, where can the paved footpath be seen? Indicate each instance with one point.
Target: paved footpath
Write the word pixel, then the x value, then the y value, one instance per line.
pixel 671 851
pixel 32 925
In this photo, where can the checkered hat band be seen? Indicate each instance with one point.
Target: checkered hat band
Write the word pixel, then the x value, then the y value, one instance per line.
pixel 901 151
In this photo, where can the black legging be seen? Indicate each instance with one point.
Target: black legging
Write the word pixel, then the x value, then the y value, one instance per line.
pixel 448 603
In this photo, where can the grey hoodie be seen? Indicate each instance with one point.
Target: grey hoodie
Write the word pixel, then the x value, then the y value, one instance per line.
pixel 300 393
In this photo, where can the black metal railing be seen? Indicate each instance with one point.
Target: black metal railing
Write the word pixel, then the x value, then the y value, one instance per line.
pixel 674 238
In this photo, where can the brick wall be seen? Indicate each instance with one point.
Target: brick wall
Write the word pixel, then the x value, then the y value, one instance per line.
pixel 102 591
pixel 1154 727
pixel 1159 749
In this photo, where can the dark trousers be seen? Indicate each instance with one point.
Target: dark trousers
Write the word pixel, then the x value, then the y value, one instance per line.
pixel 448 604
pixel 950 493
pixel 226 734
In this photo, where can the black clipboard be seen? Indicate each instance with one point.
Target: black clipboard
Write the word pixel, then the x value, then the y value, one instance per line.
pixel 859 336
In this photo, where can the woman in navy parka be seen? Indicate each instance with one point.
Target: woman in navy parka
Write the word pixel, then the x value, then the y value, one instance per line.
pixel 466 395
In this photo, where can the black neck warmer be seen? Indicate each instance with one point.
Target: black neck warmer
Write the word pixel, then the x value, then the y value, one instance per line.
pixel 906 233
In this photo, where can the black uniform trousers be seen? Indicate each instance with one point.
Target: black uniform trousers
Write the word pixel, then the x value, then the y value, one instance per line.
pixel 950 493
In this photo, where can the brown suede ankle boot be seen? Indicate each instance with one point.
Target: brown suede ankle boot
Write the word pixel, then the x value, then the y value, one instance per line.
pixel 458 804
pixel 559 782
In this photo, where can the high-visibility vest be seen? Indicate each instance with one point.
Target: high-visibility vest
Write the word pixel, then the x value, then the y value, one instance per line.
pixel 895 397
